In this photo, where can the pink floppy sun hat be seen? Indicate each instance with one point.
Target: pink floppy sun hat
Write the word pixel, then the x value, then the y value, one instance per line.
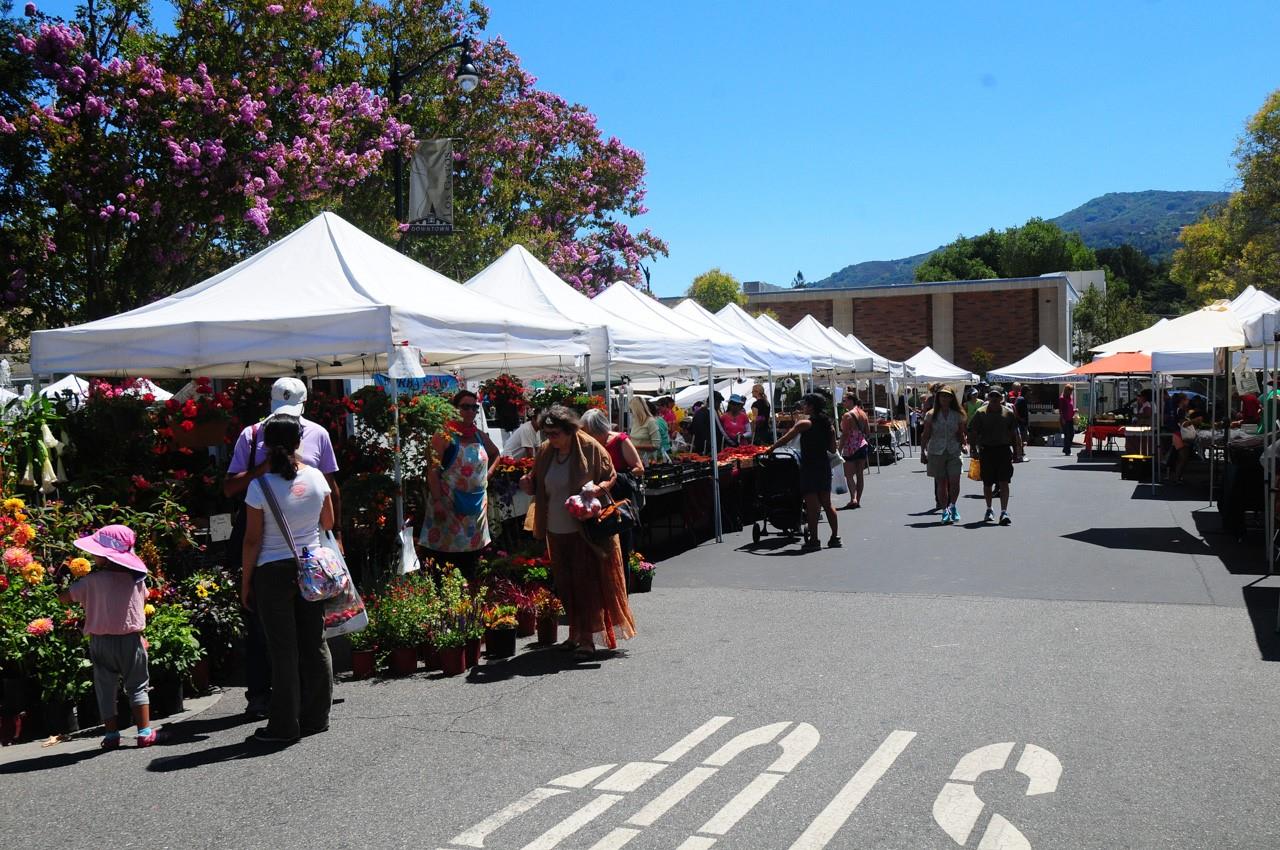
pixel 115 543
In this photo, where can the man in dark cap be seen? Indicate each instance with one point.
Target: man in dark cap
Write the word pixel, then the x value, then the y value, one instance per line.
pixel 993 433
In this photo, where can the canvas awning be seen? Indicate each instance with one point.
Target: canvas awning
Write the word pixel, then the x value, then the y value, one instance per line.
pixel 325 300
pixel 1125 363
pixel 820 336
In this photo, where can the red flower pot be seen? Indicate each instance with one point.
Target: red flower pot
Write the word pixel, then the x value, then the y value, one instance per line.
pixel 526 622
pixel 429 655
pixel 453 660
pixel 362 661
pixel 548 630
pixel 473 652
pixel 200 678
pixel 404 661
pixel 500 643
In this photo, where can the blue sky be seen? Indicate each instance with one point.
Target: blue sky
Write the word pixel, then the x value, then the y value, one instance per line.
pixel 806 137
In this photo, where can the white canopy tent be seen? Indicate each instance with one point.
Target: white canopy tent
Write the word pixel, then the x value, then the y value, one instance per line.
pixel 1138 341
pixel 892 368
pixel 740 322
pixel 326 300
pixel 930 366
pixel 75 386
pixel 720 351
pixel 1042 366
pixel 780 358
pixel 816 334
pixel 520 281
pixel 820 356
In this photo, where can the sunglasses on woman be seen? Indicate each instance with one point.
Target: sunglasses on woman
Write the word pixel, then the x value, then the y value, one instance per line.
pixel 468 407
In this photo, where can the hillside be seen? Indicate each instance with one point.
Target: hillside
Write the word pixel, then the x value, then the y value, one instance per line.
pixel 1148 220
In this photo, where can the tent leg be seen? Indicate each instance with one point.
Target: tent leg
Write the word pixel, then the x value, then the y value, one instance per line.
pixel 773 410
pixel 1213 418
pixel 713 422
pixel 396 453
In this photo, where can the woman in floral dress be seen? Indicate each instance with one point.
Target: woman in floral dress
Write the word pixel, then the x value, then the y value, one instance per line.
pixel 456 526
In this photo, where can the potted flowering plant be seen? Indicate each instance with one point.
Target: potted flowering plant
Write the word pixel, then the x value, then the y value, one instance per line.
pixel 364 645
pixel 401 614
pixel 505 394
pixel 549 609
pixel 172 651
pixel 500 630
pixel 213 607
pixel 641 573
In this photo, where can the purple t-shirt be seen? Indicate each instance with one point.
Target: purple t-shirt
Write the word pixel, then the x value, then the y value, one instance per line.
pixel 316 449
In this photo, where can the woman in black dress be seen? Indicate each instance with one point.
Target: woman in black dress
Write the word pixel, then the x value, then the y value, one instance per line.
pixel 762 426
pixel 817 438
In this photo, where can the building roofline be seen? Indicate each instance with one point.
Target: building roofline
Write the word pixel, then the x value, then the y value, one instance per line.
pixel 923 287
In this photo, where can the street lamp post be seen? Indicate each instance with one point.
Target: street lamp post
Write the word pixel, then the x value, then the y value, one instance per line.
pixel 468 78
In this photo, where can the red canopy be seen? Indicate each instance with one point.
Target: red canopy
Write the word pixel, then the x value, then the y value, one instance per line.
pixel 1127 363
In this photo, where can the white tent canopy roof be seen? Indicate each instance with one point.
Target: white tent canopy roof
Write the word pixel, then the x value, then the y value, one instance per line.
pixel 328 299
pixel 78 387
pixel 818 335
pixel 520 281
pixel 720 351
pixel 779 357
pixel 896 368
pixel 1134 342
pixel 929 365
pixel 821 358
pixel 1259 314
pixel 1040 365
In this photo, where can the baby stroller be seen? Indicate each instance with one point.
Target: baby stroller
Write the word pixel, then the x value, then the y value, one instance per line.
pixel 778 494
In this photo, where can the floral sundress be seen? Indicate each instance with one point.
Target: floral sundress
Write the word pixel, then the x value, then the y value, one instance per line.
pixel 461 525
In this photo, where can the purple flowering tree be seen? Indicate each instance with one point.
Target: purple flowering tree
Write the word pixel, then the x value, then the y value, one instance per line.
pixel 135 162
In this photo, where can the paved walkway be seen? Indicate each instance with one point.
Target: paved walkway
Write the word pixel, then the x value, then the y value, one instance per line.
pixel 1095 676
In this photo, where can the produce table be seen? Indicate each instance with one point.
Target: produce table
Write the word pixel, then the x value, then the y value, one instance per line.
pixel 1101 432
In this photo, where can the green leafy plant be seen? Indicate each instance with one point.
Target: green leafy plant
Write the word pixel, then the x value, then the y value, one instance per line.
pixel 213 606
pixel 501 616
pixel 172 645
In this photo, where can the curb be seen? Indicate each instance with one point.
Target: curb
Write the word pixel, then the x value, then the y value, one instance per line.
pixel 85 739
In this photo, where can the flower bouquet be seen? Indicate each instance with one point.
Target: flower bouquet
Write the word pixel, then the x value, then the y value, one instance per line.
pixel 641 573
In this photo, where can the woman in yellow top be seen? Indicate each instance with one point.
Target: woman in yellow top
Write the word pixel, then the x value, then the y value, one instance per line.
pixel 644 430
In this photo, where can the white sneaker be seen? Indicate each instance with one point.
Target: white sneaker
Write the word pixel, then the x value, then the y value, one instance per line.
pixel 989 516
pixel 1004 518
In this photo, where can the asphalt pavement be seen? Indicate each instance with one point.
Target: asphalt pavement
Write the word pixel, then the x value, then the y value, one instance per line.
pixel 1097 675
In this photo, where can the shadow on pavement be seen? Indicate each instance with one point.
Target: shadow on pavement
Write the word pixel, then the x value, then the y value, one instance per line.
pixel 1239 557
pixel 1261 602
pixel 535 662
pixel 198 729
pixel 214 755
pixel 774 547
pixel 1172 539
pixel 1172 492
pixel 51 761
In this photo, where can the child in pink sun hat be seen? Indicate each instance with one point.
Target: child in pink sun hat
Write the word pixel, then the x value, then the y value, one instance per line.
pixel 113 596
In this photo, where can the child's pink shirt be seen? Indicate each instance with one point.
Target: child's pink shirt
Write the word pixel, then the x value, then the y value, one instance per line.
pixel 112 602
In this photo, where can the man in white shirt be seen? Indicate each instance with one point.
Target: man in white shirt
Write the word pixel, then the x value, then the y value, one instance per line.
pixel 524 441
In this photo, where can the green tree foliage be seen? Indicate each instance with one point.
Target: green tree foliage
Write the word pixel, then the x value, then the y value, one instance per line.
pixel 1035 248
pixel 1099 318
pixel 1238 244
pixel 1145 279
pixel 798 282
pixel 714 289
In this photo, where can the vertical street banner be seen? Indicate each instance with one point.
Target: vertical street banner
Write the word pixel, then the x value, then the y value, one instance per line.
pixel 431 187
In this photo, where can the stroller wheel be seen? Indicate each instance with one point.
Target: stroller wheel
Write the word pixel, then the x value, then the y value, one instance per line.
pixel 755 532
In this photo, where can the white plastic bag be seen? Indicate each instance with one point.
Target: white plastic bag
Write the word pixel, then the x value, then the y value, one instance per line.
pixel 408 552
pixel 839 484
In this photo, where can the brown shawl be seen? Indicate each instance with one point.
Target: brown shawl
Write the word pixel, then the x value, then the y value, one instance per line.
pixel 588 461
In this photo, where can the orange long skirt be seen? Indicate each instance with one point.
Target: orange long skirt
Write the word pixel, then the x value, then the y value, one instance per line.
pixel 593 588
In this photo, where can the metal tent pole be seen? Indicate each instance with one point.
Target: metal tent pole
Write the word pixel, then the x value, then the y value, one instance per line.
pixel 398 469
pixel 773 413
pixel 1157 412
pixel 713 422
pixel 1213 418
pixel 1268 467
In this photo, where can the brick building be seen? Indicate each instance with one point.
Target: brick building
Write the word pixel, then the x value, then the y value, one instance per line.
pixel 1007 317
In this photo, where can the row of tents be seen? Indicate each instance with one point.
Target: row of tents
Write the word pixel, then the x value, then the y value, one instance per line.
pixel 328 300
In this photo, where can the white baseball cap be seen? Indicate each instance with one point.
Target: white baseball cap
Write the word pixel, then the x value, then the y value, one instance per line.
pixel 288 395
